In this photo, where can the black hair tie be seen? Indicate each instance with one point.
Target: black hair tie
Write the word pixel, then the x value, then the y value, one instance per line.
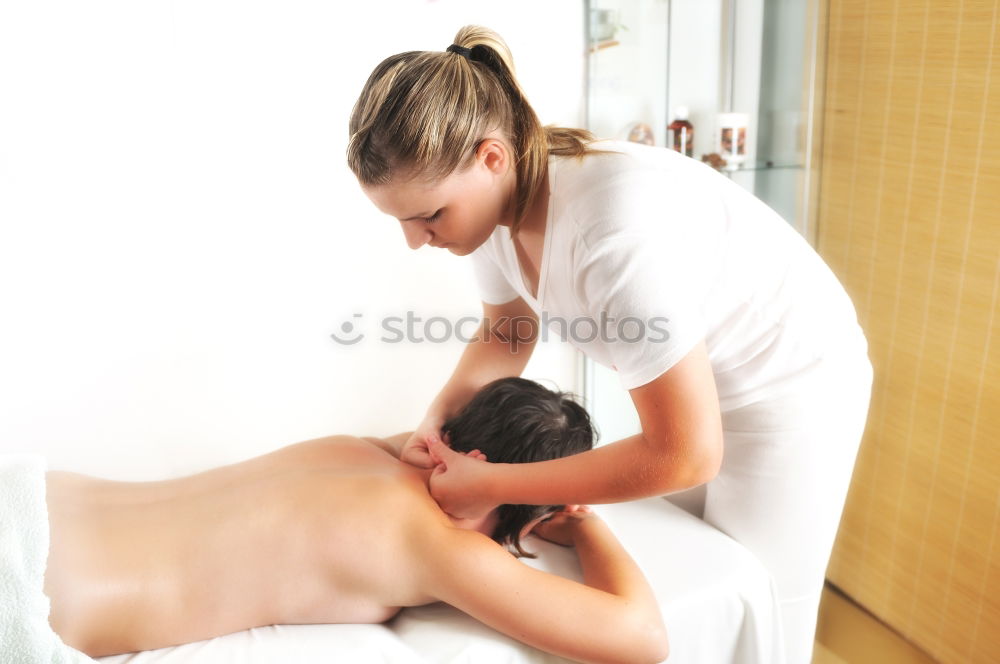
pixel 461 50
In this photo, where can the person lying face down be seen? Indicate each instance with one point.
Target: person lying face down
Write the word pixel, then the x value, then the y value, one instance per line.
pixel 338 530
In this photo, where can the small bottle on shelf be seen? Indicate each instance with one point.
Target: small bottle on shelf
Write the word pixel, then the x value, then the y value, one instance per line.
pixel 732 141
pixel 681 132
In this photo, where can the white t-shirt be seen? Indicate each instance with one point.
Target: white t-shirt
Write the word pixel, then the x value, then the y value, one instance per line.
pixel 647 252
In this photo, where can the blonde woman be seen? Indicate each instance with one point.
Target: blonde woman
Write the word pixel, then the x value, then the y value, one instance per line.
pixel 739 348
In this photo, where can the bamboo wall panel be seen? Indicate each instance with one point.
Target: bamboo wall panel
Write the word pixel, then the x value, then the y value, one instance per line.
pixel 909 218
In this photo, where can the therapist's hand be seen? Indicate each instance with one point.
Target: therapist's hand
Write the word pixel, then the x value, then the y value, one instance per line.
pixel 414 450
pixel 458 481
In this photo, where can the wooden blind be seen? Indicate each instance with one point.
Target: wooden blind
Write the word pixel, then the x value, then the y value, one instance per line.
pixel 909 218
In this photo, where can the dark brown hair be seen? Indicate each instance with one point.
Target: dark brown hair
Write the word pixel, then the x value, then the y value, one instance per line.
pixel 515 420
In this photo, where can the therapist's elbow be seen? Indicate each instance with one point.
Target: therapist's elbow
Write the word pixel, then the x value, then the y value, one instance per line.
pixel 699 465
pixel 710 462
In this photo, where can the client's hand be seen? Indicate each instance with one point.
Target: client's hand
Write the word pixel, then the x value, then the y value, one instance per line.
pixel 457 481
pixel 414 450
pixel 561 526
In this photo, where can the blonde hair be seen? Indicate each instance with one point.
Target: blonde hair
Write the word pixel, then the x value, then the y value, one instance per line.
pixel 424 113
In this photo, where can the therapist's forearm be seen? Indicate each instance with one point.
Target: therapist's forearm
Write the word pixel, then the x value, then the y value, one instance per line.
pixel 482 362
pixel 628 469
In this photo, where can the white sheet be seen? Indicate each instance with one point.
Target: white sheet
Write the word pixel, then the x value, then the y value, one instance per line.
pixel 25 634
pixel 717 601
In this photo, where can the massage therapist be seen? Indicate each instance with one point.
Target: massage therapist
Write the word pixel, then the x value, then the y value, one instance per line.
pixel 752 395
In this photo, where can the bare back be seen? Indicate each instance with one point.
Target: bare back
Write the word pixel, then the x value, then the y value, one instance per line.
pixel 317 532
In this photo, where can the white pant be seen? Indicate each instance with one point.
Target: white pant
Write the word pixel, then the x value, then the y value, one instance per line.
pixel 780 492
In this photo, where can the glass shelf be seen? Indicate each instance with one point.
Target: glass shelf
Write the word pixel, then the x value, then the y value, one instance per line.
pixel 754 57
pixel 762 166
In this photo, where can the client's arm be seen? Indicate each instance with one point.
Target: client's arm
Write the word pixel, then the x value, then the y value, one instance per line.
pixel 614 617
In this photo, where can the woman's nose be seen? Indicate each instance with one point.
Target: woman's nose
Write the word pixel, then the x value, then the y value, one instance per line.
pixel 417 235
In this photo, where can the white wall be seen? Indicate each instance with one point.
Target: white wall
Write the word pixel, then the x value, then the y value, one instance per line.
pixel 179 233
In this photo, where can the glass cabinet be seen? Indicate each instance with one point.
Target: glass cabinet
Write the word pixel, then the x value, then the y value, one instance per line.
pixel 738 68
pixel 742 71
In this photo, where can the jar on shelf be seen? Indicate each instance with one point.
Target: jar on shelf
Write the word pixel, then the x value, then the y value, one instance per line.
pixel 640 132
pixel 731 143
pixel 680 132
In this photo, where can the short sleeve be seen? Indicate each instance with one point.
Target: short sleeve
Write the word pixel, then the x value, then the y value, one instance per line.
pixel 491 283
pixel 636 288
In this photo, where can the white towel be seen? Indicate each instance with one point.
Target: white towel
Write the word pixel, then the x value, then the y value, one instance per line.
pixel 25 634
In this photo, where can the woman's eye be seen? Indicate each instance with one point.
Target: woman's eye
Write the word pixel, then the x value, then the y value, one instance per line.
pixel 434 217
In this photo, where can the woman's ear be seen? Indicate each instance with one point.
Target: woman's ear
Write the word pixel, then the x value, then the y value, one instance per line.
pixel 495 154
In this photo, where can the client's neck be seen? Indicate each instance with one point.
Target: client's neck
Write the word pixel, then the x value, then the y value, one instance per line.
pixel 485 524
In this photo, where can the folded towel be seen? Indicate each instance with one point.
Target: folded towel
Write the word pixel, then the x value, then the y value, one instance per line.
pixel 25 634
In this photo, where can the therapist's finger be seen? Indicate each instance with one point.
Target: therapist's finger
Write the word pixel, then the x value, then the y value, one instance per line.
pixel 434 455
pixel 438 450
